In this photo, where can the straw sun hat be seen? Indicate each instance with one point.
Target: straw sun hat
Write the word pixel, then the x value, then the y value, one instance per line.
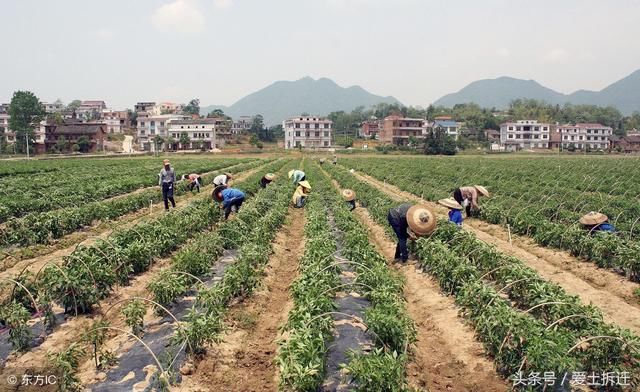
pixel 348 195
pixel 290 174
pixel 450 203
pixel 270 176
pixel 305 184
pixel 483 191
pixel 166 162
pixel 217 191
pixel 421 220
pixel 593 218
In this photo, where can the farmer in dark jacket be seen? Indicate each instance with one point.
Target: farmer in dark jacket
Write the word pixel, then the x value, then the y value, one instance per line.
pixel 167 181
pixel 410 222
pixel 266 180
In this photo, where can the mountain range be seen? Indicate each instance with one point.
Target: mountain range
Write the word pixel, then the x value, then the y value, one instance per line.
pixel 623 94
pixel 284 99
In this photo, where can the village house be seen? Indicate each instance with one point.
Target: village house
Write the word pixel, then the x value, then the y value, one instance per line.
pixel 204 133
pixel 525 134
pixel 72 133
pixel 397 129
pixel 370 129
pixel 307 132
pixel 582 136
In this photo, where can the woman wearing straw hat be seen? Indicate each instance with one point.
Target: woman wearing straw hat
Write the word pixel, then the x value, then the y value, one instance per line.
pixel 350 197
pixel 455 214
pixel 596 221
pixel 296 176
pixel 300 195
pixel 167 181
pixel 409 221
pixel 231 199
pixel 266 180
pixel 468 196
pixel 223 179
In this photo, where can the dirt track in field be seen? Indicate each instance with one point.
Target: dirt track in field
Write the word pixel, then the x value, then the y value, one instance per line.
pixel 610 292
pixel 244 361
pixel 446 356
pixel 104 230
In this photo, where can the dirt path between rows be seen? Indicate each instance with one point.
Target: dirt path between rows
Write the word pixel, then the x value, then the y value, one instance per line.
pixel 128 220
pixel 610 292
pixel 447 357
pixel 244 361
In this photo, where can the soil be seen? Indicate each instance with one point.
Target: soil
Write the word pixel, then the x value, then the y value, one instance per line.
pixel 446 356
pixel 244 361
pixel 610 292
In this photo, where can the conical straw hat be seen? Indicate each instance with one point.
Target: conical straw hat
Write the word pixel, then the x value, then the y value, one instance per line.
pixel 421 220
pixel 450 203
pixel 290 173
pixel 483 191
pixel 270 176
pixel 305 184
pixel 593 218
pixel 217 190
pixel 348 195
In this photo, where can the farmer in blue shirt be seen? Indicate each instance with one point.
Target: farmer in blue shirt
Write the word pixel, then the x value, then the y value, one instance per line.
pixel 231 199
pixel 596 221
pixel 455 210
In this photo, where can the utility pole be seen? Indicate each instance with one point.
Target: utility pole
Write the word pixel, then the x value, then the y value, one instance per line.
pixel 26 138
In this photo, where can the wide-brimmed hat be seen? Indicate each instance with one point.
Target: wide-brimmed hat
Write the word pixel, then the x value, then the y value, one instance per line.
pixel 321 159
pixel 450 203
pixel 229 175
pixel 290 174
pixel 305 184
pixel 593 218
pixel 421 220
pixel 166 162
pixel 348 195
pixel 216 191
pixel 483 191
pixel 270 176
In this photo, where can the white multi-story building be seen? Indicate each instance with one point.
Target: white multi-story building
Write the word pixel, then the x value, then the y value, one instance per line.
pixel 525 134
pixel 307 132
pixel 584 136
pixel 207 133
pixel 150 126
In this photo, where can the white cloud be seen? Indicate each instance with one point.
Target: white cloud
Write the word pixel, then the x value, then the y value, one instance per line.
pixel 179 16
pixel 503 52
pixel 557 55
pixel 222 3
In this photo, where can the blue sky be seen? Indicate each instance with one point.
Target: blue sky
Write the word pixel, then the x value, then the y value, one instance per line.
pixel 124 51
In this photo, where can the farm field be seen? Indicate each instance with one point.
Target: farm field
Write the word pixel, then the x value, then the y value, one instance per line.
pixel 281 298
